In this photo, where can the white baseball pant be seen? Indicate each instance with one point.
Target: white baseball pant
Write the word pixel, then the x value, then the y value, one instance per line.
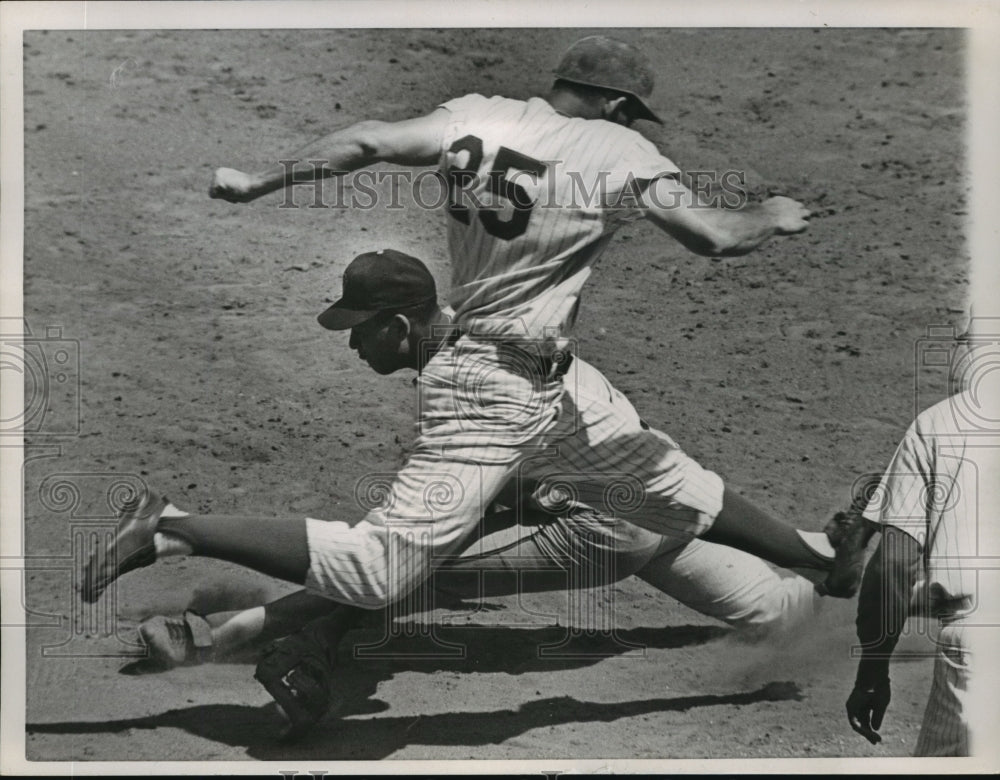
pixel 484 411
pixel 721 582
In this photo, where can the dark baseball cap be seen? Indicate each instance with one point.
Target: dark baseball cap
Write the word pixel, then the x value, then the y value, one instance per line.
pixel 380 281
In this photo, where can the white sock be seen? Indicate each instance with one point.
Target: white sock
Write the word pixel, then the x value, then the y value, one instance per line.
pixel 167 544
pixel 818 543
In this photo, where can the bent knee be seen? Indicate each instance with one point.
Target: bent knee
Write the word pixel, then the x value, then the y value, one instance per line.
pixel 788 602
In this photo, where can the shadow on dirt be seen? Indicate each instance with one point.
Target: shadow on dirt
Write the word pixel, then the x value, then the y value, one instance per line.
pixel 255 728
pixel 481 649
pixel 488 649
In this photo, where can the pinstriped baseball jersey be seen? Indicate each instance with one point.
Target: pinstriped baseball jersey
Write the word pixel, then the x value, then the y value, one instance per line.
pixel 941 487
pixel 535 197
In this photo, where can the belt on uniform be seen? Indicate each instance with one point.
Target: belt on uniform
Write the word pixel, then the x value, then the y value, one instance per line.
pixel 947 610
pixel 551 366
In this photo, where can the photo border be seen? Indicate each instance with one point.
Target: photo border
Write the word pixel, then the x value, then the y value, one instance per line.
pixel 981 18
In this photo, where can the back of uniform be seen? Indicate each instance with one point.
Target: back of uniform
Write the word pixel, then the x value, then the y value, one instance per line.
pixel 534 198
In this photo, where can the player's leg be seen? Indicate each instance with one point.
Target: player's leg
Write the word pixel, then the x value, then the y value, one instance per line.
pixel 732 586
pixel 434 505
pixel 482 409
pixel 154 529
pixel 617 459
pixel 840 547
pixel 583 547
pixel 297 669
pixel 681 500
pixel 747 527
pixel 983 681
pixel 542 553
pixel 478 418
pixel 479 414
pixel 192 638
pixel 274 546
pixel 944 730
pixel 578 547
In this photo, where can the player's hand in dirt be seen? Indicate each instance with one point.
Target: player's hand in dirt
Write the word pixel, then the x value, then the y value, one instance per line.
pixel 866 707
pixel 789 215
pixel 232 185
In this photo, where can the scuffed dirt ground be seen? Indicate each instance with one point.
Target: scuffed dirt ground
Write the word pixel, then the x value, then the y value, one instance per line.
pixel 201 369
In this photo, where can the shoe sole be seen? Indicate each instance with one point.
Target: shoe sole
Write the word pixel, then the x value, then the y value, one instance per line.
pixel 91 591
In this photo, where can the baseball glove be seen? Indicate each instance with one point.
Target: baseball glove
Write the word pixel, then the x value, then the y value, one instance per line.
pixel 297 674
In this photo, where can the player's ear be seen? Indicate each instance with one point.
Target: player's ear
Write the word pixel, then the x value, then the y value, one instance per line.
pixel 400 325
pixel 614 109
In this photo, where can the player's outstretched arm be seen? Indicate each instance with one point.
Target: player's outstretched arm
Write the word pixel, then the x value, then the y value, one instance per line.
pixel 717 232
pixel 883 604
pixel 409 142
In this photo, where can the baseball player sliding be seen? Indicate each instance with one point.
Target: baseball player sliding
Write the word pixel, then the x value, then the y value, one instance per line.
pixel 492 396
pixel 400 294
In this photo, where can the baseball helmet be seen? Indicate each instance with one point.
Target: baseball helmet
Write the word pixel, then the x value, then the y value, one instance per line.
pixel 599 61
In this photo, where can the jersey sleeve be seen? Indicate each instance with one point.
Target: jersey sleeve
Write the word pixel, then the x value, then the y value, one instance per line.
pixel 647 163
pixel 907 488
pixel 460 109
pixel 459 106
pixel 641 164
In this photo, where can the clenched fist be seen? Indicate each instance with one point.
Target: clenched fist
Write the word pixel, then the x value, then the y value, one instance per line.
pixel 789 215
pixel 232 185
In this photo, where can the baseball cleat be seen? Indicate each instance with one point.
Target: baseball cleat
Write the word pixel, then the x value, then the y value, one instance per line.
pixel 173 641
pixel 132 548
pixel 849 533
pixel 296 672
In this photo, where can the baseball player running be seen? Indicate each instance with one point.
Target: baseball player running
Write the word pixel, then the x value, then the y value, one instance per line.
pixel 936 508
pixel 718 581
pixel 494 395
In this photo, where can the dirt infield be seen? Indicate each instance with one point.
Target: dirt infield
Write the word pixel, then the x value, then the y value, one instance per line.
pixel 201 370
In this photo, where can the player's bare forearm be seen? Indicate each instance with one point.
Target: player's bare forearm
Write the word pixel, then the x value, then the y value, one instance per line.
pixel 339 152
pixel 884 602
pixel 410 142
pixel 716 232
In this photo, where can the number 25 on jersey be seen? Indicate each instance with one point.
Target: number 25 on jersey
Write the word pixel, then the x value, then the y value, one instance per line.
pixel 463 180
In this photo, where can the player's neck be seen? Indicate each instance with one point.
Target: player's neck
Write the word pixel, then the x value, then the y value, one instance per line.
pixel 572 105
pixel 430 337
